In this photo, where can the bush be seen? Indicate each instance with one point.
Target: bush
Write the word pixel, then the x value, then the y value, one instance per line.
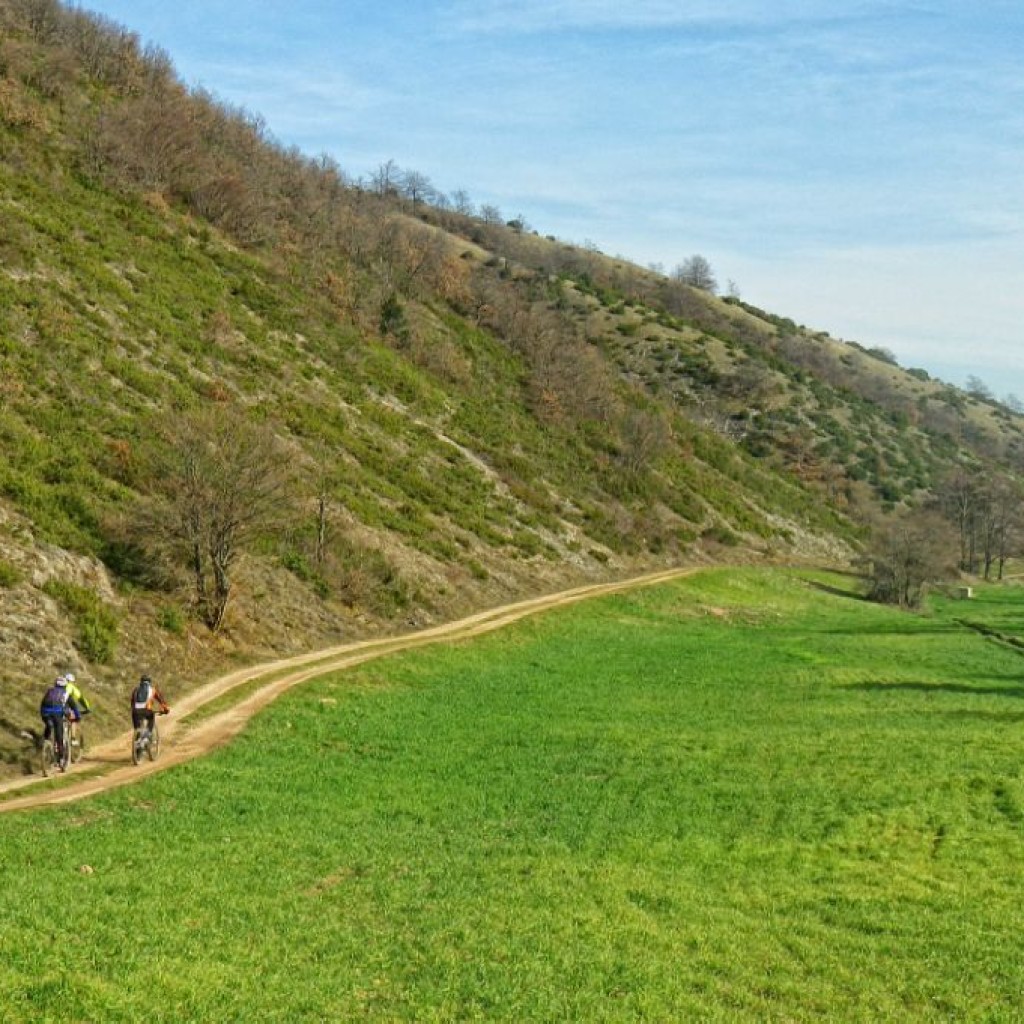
pixel 96 621
pixel 721 535
pixel 10 576
pixel 299 565
pixel 171 618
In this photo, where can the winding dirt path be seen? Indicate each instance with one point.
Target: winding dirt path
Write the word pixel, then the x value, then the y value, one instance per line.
pixel 109 765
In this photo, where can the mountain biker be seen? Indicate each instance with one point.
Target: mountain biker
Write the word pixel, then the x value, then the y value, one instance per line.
pixel 52 709
pixel 143 698
pixel 77 703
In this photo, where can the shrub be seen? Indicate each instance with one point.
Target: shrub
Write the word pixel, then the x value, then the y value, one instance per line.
pixel 476 570
pixel 10 576
pixel 721 535
pixel 299 565
pixel 96 621
pixel 171 618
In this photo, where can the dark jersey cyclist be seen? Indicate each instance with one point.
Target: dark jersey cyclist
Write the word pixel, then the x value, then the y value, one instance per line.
pixel 144 698
pixel 52 709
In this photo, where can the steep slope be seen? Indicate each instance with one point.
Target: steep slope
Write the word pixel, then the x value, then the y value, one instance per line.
pixel 469 412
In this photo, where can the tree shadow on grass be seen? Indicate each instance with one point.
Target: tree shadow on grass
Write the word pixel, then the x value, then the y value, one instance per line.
pixel 1014 692
pixel 836 591
pixel 894 627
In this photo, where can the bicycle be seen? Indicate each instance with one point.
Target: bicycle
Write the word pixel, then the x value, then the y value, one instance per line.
pixel 55 752
pixel 76 742
pixel 146 742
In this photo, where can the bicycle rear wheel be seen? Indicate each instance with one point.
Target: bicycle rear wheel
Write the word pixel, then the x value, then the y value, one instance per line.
pixel 65 747
pixel 47 758
pixel 153 750
pixel 136 746
pixel 77 745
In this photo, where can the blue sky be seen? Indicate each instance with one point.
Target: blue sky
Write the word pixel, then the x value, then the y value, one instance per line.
pixel 856 166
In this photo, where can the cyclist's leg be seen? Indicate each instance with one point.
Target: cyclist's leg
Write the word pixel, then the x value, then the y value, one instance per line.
pixel 75 716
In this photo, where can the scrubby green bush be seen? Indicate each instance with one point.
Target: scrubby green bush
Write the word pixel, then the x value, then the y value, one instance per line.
pixel 721 535
pixel 96 621
pixel 298 564
pixel 171 618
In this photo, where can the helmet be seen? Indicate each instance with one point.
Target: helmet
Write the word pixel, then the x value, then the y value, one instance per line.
pixel 60 681
pixel 145 679
pixel 69 677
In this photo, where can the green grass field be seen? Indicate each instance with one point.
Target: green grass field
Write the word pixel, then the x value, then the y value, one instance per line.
pixel 744 796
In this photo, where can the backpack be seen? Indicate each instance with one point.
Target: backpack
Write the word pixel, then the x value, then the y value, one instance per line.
pixel 143 694
pixel 56 697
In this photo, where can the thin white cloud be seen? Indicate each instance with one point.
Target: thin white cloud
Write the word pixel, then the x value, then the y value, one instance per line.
pixel 528 16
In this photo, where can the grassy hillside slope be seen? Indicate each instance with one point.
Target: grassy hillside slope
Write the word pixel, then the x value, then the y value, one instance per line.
pixel 469 412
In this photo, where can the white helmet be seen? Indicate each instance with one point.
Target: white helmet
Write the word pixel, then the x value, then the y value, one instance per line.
pixel 69 677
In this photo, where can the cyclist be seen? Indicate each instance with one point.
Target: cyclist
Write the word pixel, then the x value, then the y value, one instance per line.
pixel 52 709
pixel 143 699
pixel 77 702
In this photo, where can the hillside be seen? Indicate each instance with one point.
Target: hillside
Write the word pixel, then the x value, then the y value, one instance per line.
pixel 465 411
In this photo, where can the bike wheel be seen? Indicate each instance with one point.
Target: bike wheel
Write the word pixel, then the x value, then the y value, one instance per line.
pixel 153 750
pixel 136 745
pixel 77 747
pixel 47 758
pixel 65 748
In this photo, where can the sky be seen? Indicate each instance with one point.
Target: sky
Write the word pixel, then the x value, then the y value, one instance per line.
pixel 856 166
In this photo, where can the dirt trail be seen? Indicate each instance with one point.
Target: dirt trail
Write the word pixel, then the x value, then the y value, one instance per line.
pixel 109 766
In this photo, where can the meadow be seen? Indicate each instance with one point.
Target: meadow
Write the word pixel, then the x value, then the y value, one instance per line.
pixel 745 795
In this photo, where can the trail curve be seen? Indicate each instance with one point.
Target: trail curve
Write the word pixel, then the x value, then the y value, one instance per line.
pixel 110 763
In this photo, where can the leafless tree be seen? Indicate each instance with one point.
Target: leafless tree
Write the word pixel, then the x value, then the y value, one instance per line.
pixel 43 17
pixel 218 481
pixel 386 178
pixel 697 273
pixel 417 188
pixel 490 214
pixel 959 499
pixel 977 388
pixel 999 519
pixel 907 553
pixel 461 203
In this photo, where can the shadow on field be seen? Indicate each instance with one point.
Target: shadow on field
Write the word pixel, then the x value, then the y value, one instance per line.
pixel 910 627
pixel 835 591
pixel 1014 692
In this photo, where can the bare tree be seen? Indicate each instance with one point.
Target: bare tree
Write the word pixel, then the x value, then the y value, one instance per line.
pixel 490 214
pixel 386 178
pixel 959 499
pixel 461 202
pixel 697 273
pixel 977 388
pixel 999 519
pixel 417 187
pixel 907 553
pixel 218 482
